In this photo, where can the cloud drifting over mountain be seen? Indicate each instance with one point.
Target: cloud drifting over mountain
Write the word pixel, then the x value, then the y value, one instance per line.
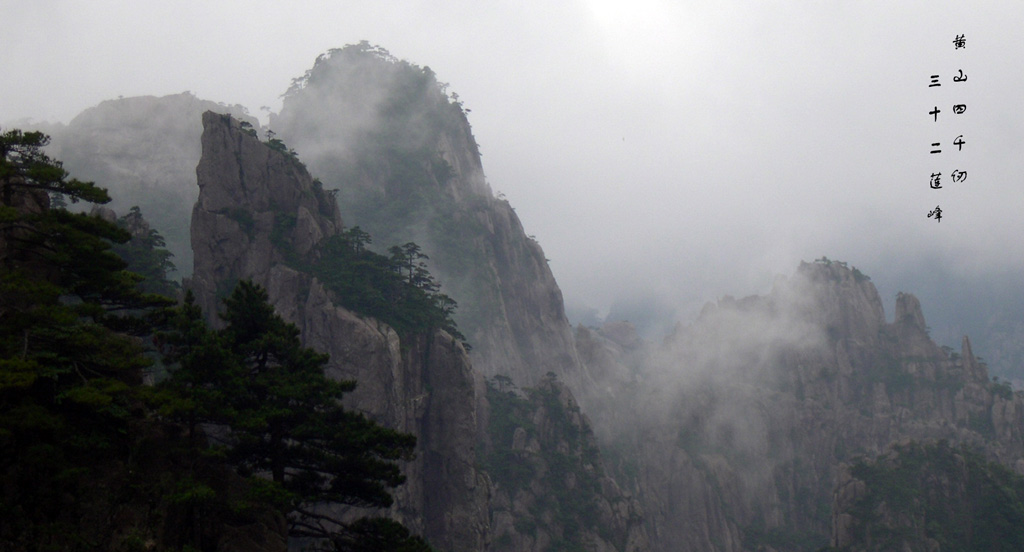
pixel 688 151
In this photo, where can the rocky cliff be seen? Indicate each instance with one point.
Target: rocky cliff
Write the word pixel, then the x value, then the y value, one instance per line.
pixel 748 413
pixel 401 154
pixel 260 216
pixel 551 490
pixel 425 387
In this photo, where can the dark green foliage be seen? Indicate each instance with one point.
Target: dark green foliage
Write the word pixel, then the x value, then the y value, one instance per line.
pixel 277 144
pixel 397 290
pixel 858 276
pixel 892 371
pixel 951 495
pixel 408 197
pixel 414 109
pixel 284 225
pixel 284 417
pixel 566 467
pixel 206 372
pixel 982 424
pixel 453 232
pixel 287 419
pixel 68 366
pixel 243 218
pixel 508 411
pixel 92 460
pixel 1001 389
pixel 145 255
pixel 247 128
pixel 25 167
pixel 378 535
pixel 573 507
pixel 407 260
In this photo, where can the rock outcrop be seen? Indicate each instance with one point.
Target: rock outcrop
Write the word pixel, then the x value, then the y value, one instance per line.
pixel 260 216
pixel 425 387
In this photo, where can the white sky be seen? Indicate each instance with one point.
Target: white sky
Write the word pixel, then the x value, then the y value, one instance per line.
pixel 680 149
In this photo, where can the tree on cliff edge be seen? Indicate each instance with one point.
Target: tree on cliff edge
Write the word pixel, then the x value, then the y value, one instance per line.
pixel 288 430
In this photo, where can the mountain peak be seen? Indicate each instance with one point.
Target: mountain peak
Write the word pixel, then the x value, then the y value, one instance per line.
pixel 394 128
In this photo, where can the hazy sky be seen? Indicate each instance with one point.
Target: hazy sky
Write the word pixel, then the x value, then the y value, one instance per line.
pixel 680 149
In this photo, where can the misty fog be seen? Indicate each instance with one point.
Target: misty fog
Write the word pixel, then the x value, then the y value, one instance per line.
pixel 663 155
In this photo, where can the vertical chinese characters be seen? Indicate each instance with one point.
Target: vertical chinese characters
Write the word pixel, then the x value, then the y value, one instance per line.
pixel 958 175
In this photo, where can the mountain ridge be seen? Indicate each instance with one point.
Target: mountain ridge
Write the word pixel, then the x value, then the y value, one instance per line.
pixel 730 435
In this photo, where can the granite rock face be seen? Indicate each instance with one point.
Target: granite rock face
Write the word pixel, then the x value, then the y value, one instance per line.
pixel 401 154
pixel 731 435
pixel 145 149
pixel 551 490
pixel 258 211
pixel 425 387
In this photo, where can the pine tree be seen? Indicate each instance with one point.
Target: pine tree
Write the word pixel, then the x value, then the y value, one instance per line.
pixel 287 428
pixel 69 362
pixel 146 255
pixel 397 290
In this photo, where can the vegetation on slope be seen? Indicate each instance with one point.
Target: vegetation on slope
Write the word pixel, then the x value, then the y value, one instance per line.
pixel 396 289
pixel 386 168
pixel 145 255
pixel 922 495
pixel 558 476
pixel 286 430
